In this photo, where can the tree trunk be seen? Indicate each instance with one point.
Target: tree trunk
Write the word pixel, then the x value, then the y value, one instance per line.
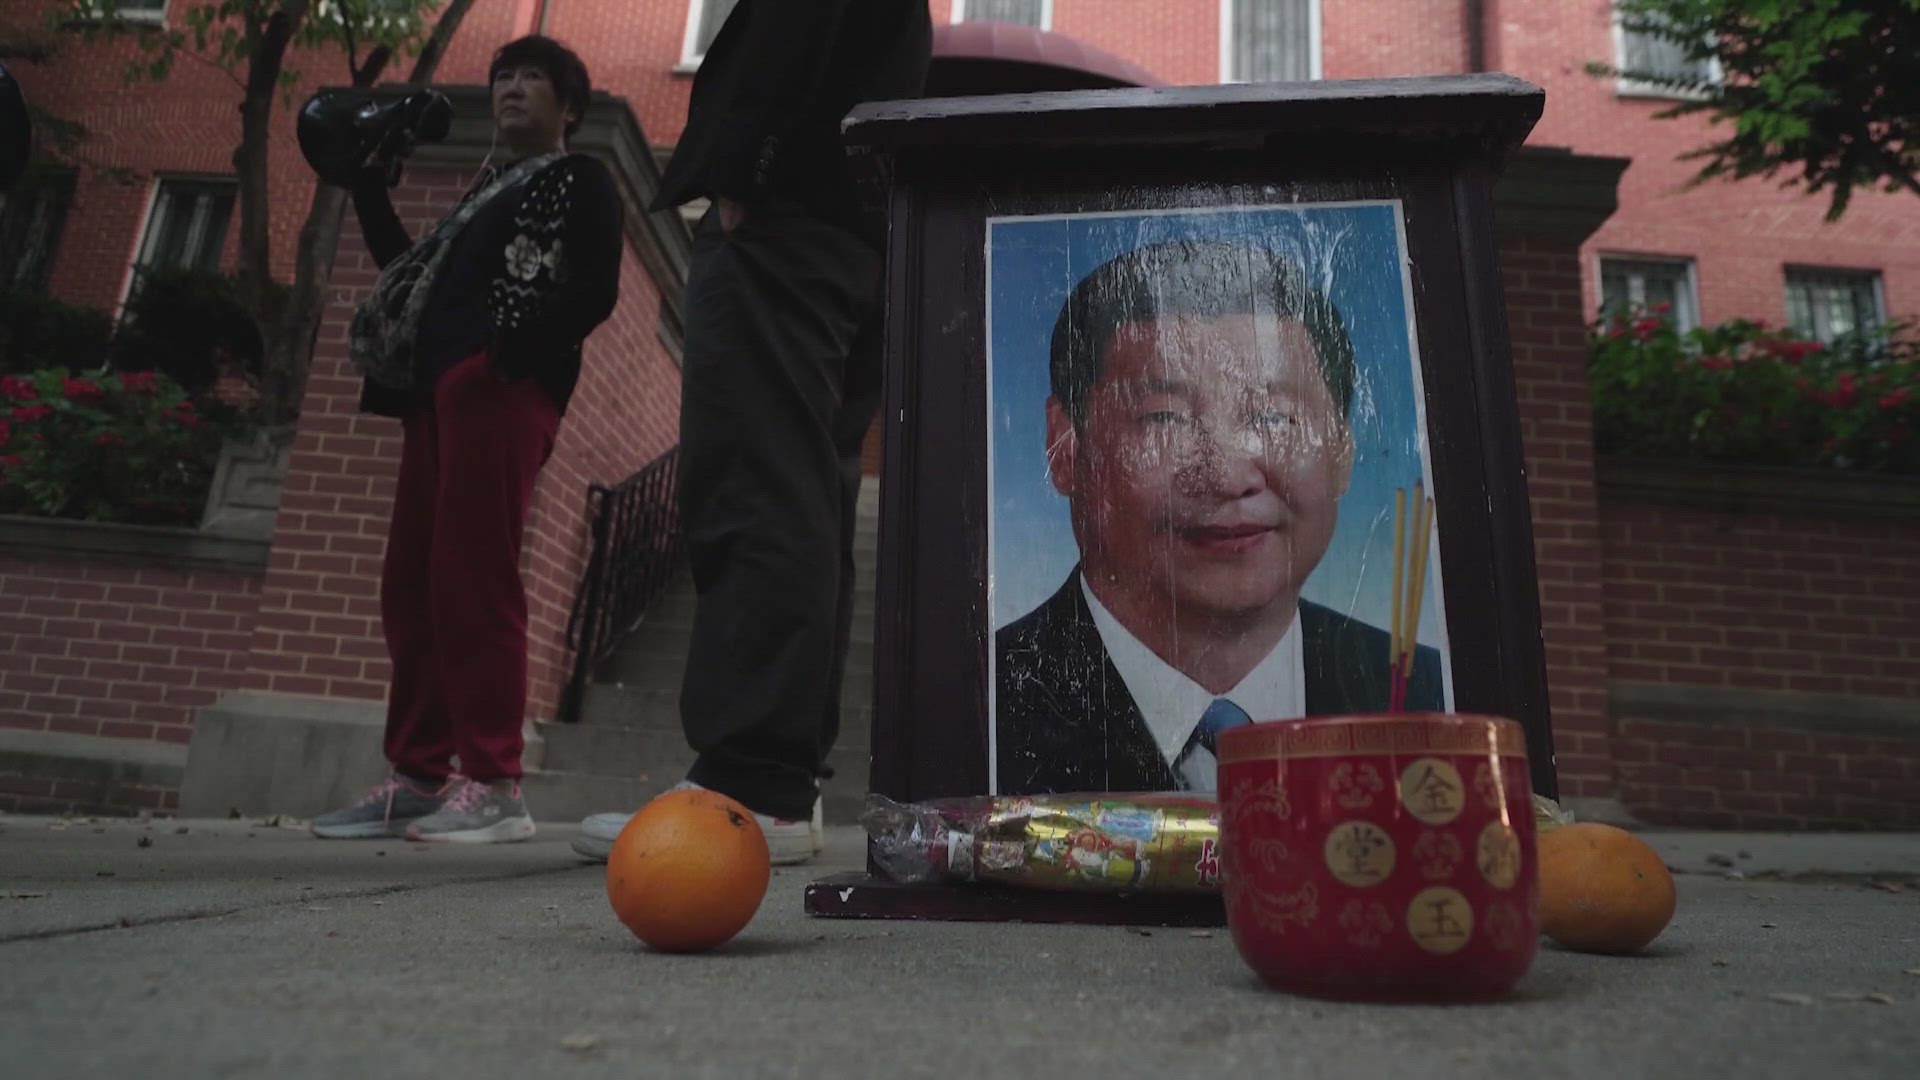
pixel 290 350
pixel 268 56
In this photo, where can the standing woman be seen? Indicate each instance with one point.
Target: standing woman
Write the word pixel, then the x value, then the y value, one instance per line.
pixel 472 340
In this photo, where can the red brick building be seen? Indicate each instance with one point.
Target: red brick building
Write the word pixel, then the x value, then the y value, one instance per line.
pixel 1723 650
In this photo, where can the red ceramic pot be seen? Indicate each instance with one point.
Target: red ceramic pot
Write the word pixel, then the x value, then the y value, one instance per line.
pixel 1380 857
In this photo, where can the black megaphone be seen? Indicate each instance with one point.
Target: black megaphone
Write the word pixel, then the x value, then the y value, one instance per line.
pixel 342 132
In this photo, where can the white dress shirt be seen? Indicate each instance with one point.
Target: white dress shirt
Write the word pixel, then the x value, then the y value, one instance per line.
pixel 1171 703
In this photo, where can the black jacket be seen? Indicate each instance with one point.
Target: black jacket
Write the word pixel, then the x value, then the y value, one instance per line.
pixel 464 313
pixel 772 89
pixel 1067 722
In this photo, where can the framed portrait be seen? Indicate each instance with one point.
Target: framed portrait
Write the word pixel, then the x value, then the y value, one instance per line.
pixel 1168 373
pixel 1203 430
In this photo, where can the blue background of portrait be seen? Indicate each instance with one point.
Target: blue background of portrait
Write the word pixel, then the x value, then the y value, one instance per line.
pixel 1351 251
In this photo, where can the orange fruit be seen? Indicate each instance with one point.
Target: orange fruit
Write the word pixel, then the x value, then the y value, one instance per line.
pixel 1602 889
pixel 688 871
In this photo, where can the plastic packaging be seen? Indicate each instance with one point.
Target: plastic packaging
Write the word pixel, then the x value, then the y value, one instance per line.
pixel 1113 842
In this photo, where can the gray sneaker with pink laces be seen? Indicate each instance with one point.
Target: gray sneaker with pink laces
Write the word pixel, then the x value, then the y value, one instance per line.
pixel 384 811
pixel 476 812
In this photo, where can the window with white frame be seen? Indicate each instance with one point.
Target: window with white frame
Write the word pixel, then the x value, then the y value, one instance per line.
pixel 704 20
pixel 1823 304
pixel 186 228
pixel 1655 54
pixel 31 217
pixel 1035 13
pixel 1269 40
pixel 1627 285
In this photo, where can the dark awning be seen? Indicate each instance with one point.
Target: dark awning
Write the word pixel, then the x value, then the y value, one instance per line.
pixel 1006 58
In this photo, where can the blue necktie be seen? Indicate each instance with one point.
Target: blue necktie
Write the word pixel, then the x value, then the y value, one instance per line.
pixel 1220 716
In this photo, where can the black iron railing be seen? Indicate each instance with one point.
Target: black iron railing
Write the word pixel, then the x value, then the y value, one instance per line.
pixel 637 549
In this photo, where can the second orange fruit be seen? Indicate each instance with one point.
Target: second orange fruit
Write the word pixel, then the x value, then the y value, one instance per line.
pixel 688 871
pixel 1602 889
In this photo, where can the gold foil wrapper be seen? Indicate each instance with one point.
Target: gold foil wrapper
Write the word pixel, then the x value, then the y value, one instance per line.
pixel 1106 842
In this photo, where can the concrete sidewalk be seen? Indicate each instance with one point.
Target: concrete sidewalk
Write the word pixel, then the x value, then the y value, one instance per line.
pixel 232 948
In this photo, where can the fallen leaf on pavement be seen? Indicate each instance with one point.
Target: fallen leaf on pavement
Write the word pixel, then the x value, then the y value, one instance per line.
pixel 1201 933
pixel 145 841
pixel 1791 999
pixel 1880 999
pixel 579 1041
pixel 21 894
pixel 1769 926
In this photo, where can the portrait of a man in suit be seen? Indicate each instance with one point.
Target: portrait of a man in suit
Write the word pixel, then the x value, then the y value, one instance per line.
pixel 1199 426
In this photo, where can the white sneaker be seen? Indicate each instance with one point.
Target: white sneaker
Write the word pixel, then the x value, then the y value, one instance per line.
pixel 789 842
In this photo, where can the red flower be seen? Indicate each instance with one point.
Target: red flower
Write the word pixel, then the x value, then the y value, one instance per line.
pixel 6 432
pixel 1759 324
pixel 80 389
pixel 1716 363
pixel 16 388
pixel 1891 400
pixel 109 438
pixel 138 382
pixel 1662 309
pixel 1845 392
pixel 27 414
pixel 1644 328
pixel 10 461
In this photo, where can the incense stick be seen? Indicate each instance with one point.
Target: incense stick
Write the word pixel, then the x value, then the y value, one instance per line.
pixel 1412 541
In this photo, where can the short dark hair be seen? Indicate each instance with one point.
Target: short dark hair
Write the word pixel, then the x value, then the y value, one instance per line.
pixel 1190 277
pixel 563 66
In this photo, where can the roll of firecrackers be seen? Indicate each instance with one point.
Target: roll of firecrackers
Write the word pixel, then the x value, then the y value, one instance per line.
pixel 1166 842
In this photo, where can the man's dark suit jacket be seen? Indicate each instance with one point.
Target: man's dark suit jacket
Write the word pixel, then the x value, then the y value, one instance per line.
pixel 1067 722
pixel 772 89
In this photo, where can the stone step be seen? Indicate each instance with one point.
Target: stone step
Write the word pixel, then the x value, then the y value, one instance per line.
pixel 662 668
pixel 564 798
pixel 610 763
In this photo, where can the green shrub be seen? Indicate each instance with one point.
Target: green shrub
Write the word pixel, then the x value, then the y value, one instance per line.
pixel 189 325
pixel 38 331
pixel 1743 393
pixel 109 446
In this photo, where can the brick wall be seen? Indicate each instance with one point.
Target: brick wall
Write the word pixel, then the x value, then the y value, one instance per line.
pixel 319 625
pixel 114 652
pixel 1741 235
pixel 1800 603
pixel 1542 285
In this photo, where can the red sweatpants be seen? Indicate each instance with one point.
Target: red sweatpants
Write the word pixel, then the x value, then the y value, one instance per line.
pixel 451 599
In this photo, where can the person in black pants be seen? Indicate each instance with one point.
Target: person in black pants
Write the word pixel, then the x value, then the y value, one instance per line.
pixel 472 340
pixel 779 386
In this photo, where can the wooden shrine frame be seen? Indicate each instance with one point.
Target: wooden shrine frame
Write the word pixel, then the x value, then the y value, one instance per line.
pixel 1434 144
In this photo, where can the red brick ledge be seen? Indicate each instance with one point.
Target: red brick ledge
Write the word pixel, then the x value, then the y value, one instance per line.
pixel 65 540
pixel 1850 714
pixel 1735 487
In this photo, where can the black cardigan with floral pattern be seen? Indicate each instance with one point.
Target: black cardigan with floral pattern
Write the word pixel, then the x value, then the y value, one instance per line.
pixel 527 280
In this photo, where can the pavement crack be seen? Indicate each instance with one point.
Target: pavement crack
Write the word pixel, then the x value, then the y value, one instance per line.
pixel 130 922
